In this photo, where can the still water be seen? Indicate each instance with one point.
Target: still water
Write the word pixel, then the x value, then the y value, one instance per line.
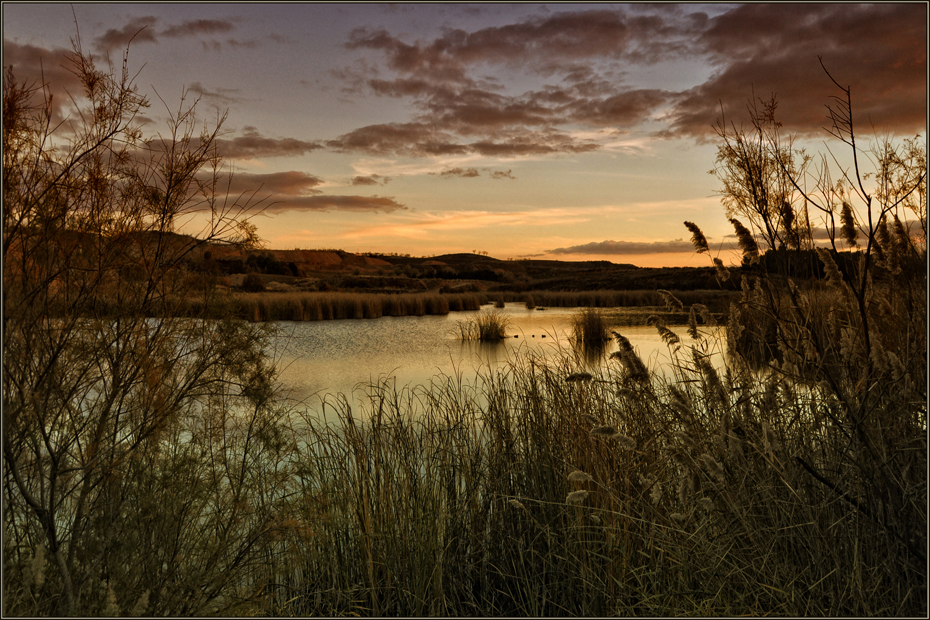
pixel 319 359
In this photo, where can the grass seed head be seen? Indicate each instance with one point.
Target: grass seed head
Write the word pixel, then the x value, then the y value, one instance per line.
pixel 579 376
pixel 576 497
pixel 579 476
pixel 603 431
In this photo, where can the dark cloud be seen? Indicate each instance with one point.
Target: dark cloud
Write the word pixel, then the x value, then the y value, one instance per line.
pixel 437 76
pixel 567 36
pixel 33 65
pixel 294 191
pixel 532 143
pixel 138 30
pixel 252 144
pixel 414 139
pixel 878 50
pixel 249 44
pixel 728 243
pixel 279 184
pixel 384 204
pixel 198 27
pixel 220 96
pixel 142 30
pixel 372 179
pixel 502 174
pixel 628 247
pixel 458 172
pixel 624 109
pixel 422 139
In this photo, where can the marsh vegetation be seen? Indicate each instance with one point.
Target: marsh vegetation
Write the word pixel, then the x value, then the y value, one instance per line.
pixel 488 326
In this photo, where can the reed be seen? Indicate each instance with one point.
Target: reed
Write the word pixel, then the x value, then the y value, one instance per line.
pixel 545 491
pixel 484 327
pixel 260 307
pixel 589 325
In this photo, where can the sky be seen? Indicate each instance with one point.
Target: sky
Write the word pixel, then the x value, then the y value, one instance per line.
pixel 569 132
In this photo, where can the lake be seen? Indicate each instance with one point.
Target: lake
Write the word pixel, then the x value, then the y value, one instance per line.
pixel 320 358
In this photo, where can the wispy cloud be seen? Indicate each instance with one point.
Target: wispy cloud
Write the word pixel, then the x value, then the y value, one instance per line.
pixel 198 27
pixel 372 179
pixel 297 191
pixel 280 184
pixel 137 30
pixel 144 30
pixel 627 247
pixel 458 172
pixel 385 204
pixel 37 65
pixel 220 96
pixel 251 144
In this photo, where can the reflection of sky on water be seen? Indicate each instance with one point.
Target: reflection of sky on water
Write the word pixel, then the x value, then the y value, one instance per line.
pixel 328 357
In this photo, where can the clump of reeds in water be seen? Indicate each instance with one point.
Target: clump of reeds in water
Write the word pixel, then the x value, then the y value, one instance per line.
pixel 484 326
pixel 589 325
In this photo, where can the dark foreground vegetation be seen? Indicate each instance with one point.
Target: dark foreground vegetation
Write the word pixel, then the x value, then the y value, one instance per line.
pixel 149 467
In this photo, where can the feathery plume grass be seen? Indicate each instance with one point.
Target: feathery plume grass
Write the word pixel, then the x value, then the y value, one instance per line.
pixel 698 240
pixel 604 431
pixel 577 377
pixel 670 338
pixel 671 302
pixel 633 366
pixel 627 443
pixel 576 497
pixel 706 315
pixel 747 242
pixel 834 277
pixel 579 476
pixel 848 225
pixel 692 324
pixel 587 417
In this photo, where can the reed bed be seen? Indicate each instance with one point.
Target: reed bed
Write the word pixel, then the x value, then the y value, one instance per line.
pixel 589 325
pixel 717 301
pixel 542 490
pixel 260 307
pixel 483 327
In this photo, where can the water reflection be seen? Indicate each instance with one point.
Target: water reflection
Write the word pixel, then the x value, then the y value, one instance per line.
pixel 345 356
pixel 590 354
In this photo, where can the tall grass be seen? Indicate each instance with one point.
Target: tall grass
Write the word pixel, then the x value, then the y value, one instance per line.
pixel 589 325
pixel 327 306
pixel 717 301
pixel 545 491
pixel 484 326
pixel 317 306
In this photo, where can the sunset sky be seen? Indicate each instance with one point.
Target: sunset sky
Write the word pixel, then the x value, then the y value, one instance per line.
pixel 526 131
